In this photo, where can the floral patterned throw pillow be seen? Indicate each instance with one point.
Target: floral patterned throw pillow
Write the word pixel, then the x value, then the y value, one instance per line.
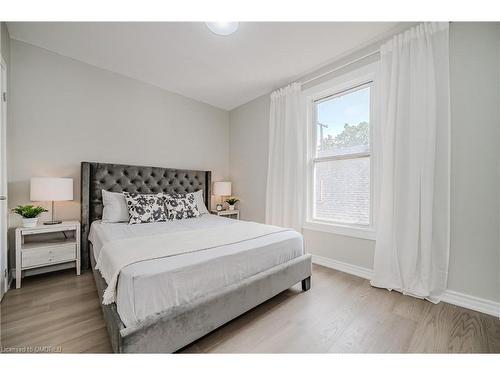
pixel 146 208
pixel 181 206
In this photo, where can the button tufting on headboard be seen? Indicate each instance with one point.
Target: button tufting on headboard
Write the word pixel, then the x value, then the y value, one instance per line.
pixel 118 178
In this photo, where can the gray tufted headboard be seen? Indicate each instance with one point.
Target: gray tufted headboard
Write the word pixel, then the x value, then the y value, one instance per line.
pixel 132 178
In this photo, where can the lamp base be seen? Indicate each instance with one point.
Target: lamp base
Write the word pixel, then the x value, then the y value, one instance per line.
pixel 52 222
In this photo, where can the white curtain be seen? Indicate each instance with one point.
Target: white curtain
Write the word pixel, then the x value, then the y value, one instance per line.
pixel 286 163
pixel 412 248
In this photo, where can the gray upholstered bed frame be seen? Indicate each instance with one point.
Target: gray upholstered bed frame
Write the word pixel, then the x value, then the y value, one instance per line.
pixel 174 328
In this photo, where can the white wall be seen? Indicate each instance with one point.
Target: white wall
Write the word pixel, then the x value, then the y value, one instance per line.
pixel 248 156
pixel 65 112
pixel 475 247
pixel 475 143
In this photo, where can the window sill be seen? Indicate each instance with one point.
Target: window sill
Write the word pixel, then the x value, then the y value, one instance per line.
pixel 344 230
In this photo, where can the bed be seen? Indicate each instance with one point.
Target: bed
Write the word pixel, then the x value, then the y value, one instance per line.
pixel 164 304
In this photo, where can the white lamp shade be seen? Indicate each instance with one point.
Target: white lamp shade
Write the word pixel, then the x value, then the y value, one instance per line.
pixel 51 189
pixel 222 188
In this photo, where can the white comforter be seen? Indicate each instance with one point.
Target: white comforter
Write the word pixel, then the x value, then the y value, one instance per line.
pixel 115 255
pixel 152 286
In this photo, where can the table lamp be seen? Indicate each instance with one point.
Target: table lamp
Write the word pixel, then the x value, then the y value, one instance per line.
pixel 222 189
pixel 51 189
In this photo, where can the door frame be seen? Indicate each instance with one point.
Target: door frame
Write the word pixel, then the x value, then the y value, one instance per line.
pixel 4 277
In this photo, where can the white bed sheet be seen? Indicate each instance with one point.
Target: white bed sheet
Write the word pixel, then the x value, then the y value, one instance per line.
pixel 152 286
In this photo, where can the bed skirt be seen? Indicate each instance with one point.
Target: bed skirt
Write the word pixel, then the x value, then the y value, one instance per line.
pixel 179 326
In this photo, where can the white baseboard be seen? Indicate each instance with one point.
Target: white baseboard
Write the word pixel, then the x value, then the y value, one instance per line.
pixel 470 302
pixel 450 296
pixel 365 273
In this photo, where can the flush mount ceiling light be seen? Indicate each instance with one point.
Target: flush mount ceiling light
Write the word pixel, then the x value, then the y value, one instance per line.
pixel 223 28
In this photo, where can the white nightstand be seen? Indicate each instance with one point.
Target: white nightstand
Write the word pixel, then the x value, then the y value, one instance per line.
pixel 233 214
pixel 33 251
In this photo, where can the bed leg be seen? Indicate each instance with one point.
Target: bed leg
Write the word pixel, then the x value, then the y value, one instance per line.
pixel 306 284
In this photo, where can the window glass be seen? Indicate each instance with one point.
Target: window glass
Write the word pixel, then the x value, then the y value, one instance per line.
pixel 343 124
pixel 343 191
pixel 341 182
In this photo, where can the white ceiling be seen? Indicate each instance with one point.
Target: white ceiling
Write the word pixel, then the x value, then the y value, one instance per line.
pixel 186 58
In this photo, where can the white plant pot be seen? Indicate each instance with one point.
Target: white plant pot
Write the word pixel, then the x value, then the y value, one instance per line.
pixel 30 223
pixel 231 207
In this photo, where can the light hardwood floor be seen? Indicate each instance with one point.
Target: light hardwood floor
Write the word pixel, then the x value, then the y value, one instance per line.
pixel 340 313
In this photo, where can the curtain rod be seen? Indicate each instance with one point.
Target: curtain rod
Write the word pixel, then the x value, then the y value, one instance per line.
pixel 373 53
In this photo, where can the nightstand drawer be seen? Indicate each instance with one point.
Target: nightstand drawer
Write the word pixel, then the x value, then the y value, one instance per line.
pixel 48 255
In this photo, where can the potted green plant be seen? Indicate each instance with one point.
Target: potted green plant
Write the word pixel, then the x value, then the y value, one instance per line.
pixel 29 214
pixel 231 201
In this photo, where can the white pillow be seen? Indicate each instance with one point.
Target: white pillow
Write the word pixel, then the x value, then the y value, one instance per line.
pixel 115 207
pixel 198 199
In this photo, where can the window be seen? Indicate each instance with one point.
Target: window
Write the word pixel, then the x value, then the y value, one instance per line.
pixel 342 157
pixel 340 154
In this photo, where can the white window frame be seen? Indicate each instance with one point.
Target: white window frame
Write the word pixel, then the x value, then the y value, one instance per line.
pixel 343 83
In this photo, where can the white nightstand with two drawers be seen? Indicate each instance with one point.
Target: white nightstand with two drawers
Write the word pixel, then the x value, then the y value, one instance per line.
pixel 36 248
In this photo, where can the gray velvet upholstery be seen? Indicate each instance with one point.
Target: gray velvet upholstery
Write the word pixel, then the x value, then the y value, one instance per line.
pixel 113 322
pixel 131 178
pixel 176 327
